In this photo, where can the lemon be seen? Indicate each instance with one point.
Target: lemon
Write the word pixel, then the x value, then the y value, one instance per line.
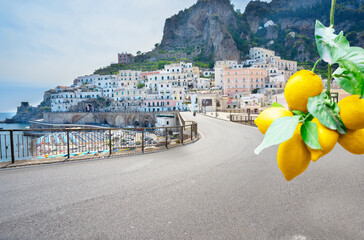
pixel 293 157
pixel 327 140
pixel 352 112
pixel 353 141
pixel 301 86
pixel 266 118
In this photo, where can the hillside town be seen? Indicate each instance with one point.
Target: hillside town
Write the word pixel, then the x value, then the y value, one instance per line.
pixel 249 86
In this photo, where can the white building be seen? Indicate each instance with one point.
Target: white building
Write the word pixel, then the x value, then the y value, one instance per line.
pixel 203 83
pixel 129 78
pixel 64 100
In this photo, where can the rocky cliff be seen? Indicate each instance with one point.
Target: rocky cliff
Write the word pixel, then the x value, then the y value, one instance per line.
pixel 26 113
pixel 208 28
pixel 212 30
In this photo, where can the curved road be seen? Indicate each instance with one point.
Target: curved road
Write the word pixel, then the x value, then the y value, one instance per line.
pixel 213 189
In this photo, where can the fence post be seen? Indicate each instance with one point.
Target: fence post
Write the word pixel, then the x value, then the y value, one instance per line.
pixel 166 138
pixel 142 140
pixel 12 146
pixel 191 131
pixel 68 144
pixel 181 134
pixel 110 146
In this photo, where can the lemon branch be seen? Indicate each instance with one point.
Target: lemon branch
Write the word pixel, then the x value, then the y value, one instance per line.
pixel 314 66
pixel 329 77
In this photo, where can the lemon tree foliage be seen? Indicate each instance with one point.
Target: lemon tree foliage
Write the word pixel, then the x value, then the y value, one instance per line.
pixel 333 49
pixel 277 105
pixel 326 111
pixel 309 135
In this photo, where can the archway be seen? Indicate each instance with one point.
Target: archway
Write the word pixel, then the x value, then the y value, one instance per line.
pixel 119 121
pixel 76 118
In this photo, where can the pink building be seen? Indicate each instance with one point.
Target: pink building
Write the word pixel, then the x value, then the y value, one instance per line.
pixel 125 58
pixel 237 80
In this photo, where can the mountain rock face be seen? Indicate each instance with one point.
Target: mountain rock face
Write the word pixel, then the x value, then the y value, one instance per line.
pixel 295 24
pixel 212 30
pixel 207 28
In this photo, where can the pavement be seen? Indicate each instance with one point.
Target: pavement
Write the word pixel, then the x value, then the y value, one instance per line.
pixel 215 188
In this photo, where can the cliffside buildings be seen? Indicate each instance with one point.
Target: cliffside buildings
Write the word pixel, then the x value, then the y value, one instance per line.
pixel 163 90
pixel 176 86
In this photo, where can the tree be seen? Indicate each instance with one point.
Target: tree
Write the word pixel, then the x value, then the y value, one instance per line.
pixel 138 52
pixel 156 45
pixel 140 85
pixel 255 91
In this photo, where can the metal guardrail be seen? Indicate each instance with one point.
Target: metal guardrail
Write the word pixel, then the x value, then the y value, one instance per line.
pixel 247 120
pixel 84 143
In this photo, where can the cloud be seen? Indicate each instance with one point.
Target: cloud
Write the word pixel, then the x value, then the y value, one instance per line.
pixel 44 43
pixel 53 42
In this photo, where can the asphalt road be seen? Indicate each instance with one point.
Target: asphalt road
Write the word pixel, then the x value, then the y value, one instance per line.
pixel 213 189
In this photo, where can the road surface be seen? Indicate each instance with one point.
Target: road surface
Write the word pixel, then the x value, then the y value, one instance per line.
pixel 213 189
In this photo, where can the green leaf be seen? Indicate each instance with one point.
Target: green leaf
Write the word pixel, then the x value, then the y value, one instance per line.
pixel 350 81
pixel 327 112
pixel 298 112
pixel 350 74
pixel 353 59
pixel 329 45
pixel 281 130
pixel 275 104
pixel 309 135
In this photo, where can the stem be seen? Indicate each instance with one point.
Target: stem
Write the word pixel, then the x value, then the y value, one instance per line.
pixel 329 80
pixel 332 13
pixel 314 67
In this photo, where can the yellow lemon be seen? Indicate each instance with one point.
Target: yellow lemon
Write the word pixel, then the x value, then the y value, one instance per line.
pixel 353 141
pixel 301 86
pixel 327 140
pixel 352 112
pixel 266 118
pixel 293 157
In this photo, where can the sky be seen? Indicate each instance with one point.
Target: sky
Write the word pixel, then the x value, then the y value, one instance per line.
pixel 45 43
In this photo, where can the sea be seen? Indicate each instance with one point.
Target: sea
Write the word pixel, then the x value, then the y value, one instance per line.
pixel 19 139
pixel 6 115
